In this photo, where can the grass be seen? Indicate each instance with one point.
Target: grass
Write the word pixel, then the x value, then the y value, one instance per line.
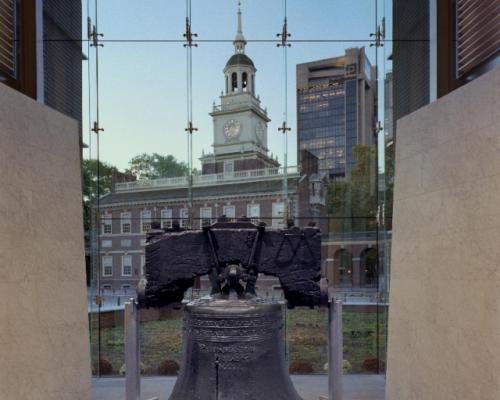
pixel 306 333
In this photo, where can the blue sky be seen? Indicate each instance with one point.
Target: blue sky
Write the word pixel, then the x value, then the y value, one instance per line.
pixel 142 86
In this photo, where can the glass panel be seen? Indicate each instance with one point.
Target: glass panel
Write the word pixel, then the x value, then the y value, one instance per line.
pixel 175 156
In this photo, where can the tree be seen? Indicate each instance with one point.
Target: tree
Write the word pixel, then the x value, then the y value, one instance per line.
pixel 153 166
pixel 352 202
pixel 97 181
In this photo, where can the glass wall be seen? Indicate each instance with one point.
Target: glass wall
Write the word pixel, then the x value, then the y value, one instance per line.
pixel 272 110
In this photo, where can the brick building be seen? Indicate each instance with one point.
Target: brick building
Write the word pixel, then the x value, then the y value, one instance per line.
pixel 238 179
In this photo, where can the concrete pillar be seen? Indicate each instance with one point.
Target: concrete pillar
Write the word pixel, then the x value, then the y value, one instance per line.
pixel 132 352
pixel 335 350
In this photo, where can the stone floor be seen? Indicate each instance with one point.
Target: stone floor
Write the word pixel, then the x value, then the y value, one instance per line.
pixel 310 387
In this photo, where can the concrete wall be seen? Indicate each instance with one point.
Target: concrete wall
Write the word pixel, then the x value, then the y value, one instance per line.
pixel 444 319
pixel 43 316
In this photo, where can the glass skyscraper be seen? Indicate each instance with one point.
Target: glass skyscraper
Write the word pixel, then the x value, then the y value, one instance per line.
pixel 336 109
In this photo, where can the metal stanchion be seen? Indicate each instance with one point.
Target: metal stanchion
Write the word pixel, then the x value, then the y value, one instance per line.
pixel 132 352
pixel 335 350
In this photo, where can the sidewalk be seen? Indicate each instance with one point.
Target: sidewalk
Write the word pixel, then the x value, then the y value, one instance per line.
pixel 310 387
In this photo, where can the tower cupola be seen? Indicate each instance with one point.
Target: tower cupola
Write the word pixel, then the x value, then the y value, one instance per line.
pixel 240 69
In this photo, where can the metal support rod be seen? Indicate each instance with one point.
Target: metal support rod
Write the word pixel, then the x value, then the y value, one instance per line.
pixel 132 352
pixel 335 350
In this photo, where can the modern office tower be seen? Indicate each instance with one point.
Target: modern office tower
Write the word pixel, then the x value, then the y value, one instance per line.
pixel 336 109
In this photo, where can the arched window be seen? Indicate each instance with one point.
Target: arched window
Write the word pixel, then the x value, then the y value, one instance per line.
pixel 342 261
pixel 368 268
pixel 227 84
pixel 244 83
pixel 234 82
pixel 253 83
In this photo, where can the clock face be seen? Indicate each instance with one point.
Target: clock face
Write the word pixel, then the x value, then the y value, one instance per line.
pixel 260 130
pixel 232 129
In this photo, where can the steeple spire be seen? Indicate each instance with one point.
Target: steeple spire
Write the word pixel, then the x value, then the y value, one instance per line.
pixel 239 40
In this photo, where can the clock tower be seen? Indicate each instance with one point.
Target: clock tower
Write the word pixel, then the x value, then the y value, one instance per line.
pixel 240 123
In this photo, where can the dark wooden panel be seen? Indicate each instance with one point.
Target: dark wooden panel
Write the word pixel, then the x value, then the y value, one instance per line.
pixel 7 38
pixel 477 33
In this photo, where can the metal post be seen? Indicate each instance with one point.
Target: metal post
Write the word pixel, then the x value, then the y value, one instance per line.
pixel 132 352
pixel 335 350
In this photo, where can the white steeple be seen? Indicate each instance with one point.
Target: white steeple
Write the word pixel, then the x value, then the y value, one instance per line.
pixel 239 40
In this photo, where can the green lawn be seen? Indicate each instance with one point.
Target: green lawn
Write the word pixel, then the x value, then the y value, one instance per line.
pixel 306 333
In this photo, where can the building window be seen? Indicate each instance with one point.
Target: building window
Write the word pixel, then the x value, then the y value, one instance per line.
pixel 184 217
pixel 126 288
pixel 229 212
pixel 126 265
pixel 228 167
pixel 107 266
pixel 278 215
pixel 143 242
pixel 205 216
pixel 143 265
pixel 342 261
pixel 368 268
pixel 126 222
pixel 253 212
pixel 107 243
pixel 146 220
pixel 126 243
pixel 107 224
pixel 166 218
pixel 234 82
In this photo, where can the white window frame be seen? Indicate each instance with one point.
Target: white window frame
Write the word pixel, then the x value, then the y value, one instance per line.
pixel 208 217
pixel 166 218
pixel 254 216
pixel 107 262
pixel 107 224
pixel 183 217
pixel 126 222
pixel 146 219
pixel 233 212
pixel 126 257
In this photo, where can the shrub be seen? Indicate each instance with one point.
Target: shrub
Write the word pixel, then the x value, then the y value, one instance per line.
pixel 346 367
pixel 123 369
pixel 372 365
pixel 300 367
pixel 105 367
pixel 168 367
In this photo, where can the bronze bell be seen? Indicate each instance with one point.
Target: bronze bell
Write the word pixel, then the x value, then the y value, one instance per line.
pixel 233 350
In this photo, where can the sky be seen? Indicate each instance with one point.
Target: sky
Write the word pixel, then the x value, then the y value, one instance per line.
pixel 142 81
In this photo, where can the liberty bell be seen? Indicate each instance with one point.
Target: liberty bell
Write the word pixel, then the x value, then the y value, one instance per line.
pixel 233 343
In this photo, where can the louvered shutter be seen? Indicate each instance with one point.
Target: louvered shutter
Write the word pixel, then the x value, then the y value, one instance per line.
pixel 478 33
pixel 7 38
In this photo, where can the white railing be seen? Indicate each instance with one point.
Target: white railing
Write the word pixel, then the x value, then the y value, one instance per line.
pixel 237 105
pixel 207 180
